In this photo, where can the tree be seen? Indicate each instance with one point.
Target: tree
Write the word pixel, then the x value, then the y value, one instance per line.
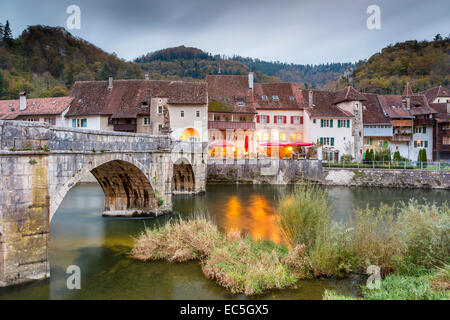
pixel 1 31
pixel 438 37
pixel 7 34
pixel 397 156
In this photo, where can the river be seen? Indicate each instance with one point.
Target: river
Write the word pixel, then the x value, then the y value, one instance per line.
pixel 99 246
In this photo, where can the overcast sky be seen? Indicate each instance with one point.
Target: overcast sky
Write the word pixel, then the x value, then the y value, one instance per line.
pixel 298 31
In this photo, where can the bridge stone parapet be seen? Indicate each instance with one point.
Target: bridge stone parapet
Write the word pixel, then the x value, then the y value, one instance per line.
pixel 39 164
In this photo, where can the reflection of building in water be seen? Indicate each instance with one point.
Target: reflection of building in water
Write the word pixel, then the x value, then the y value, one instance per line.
pixel 264 224
pixel 256 217
pixel 233 212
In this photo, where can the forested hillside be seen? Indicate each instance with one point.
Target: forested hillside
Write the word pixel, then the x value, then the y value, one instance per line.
pixel 45 61
pixel 192 64
pixel 308 75
pixel 423 63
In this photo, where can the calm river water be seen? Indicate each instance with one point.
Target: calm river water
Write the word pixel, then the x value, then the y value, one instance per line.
pixel 99 246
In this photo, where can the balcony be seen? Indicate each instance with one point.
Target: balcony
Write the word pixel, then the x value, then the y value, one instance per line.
pixel 401 137
pixel 423 122
pixel 125 127
pixel 378 132
pixel 231 125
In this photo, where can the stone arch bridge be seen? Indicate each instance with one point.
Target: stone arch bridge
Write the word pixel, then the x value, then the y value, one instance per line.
pixel 39 164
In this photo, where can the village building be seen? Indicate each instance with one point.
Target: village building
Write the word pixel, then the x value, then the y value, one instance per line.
pixel 412 121
pixel 437 95
pixel 231 116
pixel 280 118
pixel 50 110
pixel 441 132
pixel 378 128
pixel 335 121
pixel 155 107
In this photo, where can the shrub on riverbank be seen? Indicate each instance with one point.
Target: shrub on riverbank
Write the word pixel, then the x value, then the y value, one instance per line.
pixel 384 236
pixel 410 283
pixel 240 264
pixel 178 241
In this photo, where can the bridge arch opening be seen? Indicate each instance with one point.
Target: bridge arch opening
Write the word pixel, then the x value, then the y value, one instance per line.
pixel 183 180
pixel 127 189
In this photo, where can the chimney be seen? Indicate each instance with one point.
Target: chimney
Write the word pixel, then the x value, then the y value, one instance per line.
pixel 408 103
pixel 110 83
pixel 147 76
pixel 250 80
pixel 23 101
pixel 448 108
pixel 310 98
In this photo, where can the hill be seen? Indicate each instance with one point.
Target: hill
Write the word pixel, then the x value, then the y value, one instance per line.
pixel 189 63
pixel 424 64
pixel 192 63
pixel 46 61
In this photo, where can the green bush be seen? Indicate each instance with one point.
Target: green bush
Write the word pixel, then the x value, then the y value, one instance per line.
pixel 383 155
pixel 304 215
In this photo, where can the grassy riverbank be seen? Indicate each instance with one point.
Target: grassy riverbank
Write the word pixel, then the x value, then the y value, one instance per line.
pixel 412 234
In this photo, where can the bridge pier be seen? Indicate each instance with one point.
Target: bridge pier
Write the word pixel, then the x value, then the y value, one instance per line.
pixel 39 164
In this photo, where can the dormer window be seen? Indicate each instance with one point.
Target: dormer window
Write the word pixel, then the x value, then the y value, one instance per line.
pixel 241 102
pixel 275 98
pixel 265 98
pixel 291 98
pixel 364 107
pixel 144 104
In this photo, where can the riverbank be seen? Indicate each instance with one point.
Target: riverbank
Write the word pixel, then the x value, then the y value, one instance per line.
pixel 395 178
pixel 284 172
pixel 390 239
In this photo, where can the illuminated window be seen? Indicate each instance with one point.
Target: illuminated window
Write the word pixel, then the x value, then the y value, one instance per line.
pixel 266 136
pixel 299 136
pixel 292 136
pixel 282 136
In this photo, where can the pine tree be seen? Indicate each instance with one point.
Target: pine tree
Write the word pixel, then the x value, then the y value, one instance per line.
pixel 1 31
pixel 7 34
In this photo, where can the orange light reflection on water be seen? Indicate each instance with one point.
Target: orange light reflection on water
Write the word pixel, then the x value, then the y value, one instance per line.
pixel 255 217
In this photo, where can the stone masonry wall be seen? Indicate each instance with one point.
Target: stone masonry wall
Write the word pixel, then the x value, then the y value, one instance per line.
pixel 264 171
pixel 387 178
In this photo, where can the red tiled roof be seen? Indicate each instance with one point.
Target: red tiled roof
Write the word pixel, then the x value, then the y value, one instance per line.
pixel 435 92
pixel 10 109
pixel 289 96
pixel 224 92
pixel 393 105
pixel 348 94
pixel 442 110
pixel 407 91
pixel 372 111
pixel 324 105
pixel 125 99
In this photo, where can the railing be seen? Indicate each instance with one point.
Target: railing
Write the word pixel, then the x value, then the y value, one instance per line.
pixel 235 125
pixel 125 127
pixel 402 137
pixel 433 166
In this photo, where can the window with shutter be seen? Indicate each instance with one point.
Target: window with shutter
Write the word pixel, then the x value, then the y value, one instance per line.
pixel 321 123
pixel 321 140
pixel 301 120
pixel 424 129
pixel 332 141
pixel 331 123
pixel 348 123
pixel 74 123
pixel 415 144
pixel 257 118
pixel 339 123
pixel 426 143
pixel 84 123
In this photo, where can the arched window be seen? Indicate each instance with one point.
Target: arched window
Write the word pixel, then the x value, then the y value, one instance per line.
pixel 190 134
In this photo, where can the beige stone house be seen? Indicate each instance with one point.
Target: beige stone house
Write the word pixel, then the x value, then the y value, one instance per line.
pixel 142 106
